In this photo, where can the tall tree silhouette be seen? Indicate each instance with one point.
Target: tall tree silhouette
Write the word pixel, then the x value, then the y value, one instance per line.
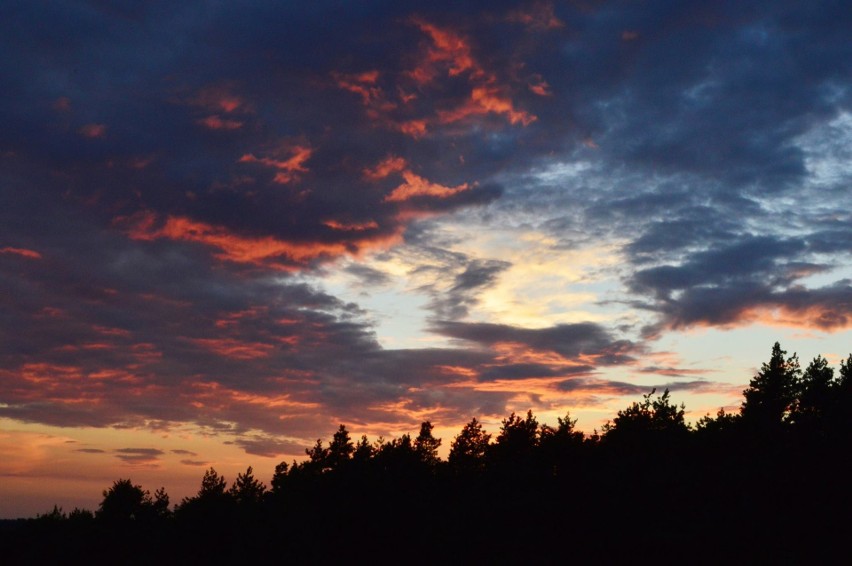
pixel 816 397
pixel 468 449
pixel 125 501
pixel 772 393
pixel 246 489
pixel 340 449
pixel 426 446
pixel 559 446
pixel 515 444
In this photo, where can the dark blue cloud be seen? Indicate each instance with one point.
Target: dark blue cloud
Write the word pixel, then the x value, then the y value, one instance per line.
pixel 145 146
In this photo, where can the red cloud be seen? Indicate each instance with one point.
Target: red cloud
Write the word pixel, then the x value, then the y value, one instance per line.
pixel 365 85
pixel 289 168
pixel 450 50
pixel 448 56
pixel 391 164
pixel 62 104
pixel 216 123
pixel 235 349
pixel 416 186
pixel 23 252
pixel 265 251
pixel 351 226
pixel 93 130
pixel 539 86
pixel 484 100
pixel 539 17
pixel 219 99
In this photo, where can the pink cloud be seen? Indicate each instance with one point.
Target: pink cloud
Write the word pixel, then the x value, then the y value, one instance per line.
pixel 388 166
pixel 417 186
pixel 93 130
pixel 216 123
pixel 265 251
pixel 539 17
pixel 23 252
pixel 290 162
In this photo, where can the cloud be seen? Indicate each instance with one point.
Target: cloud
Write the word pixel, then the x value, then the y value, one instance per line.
pixel 183 452
pixel 581 341
pixel 93 130
pixel 139 456
pixel 22 252
pixel 288 163
pixel 215 122
pixel 416 186
pixel 185 273
pixel 260 250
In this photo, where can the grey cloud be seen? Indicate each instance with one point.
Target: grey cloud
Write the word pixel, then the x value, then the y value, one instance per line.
pixel 569 340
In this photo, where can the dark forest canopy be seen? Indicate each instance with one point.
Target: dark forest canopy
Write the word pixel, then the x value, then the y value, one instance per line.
pixel 761 482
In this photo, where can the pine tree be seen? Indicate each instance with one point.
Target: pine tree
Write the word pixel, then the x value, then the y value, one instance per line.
pixel 427 445
pixel 772 393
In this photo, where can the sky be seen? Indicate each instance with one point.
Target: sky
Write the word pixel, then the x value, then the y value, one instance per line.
pixel 228 227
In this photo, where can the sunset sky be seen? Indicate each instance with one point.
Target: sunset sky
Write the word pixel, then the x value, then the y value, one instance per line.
pixel 228 227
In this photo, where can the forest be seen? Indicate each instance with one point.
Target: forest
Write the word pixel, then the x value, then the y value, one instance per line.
pixel 769 483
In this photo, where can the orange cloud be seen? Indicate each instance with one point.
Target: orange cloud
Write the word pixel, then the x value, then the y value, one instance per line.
pixel 289 168
pixel 484 100
pixel 539 86
pixel 93 130
pixel 414 128
pixel 448 55
pixel 235 318
pixel 817 317
pixel 216 123
pixel 539 17
pixel 258 250
pixel 449 49
pixel 364 85
pixel 235 349
pixel 416 186
pixel 391 164
pixel 219 99
pixel 23 252
pixel 217 396
pixel 351 226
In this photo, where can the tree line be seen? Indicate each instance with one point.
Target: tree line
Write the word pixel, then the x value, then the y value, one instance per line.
pixel 760 482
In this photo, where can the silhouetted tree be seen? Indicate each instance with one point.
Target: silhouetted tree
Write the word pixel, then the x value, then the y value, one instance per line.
pixel 364 451
pixel 772 393
pixel 124 501
pixel 723 423
pixel 398 456
pixel 426 446
pixel 55 514
pixel 514 446
pixel 339 450
pixel 317 458
pixel 212 485
pixel 80 515
pixel 842 414
pixel 816 397
pixel 558 446
pixel 279 479
pixel 468 449
pixel 246 489
pixel 654 420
